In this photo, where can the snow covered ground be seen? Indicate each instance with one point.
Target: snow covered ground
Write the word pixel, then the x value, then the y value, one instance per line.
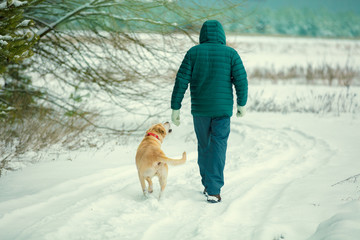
pixel 283 176
pixel 278 185
pixel 280 52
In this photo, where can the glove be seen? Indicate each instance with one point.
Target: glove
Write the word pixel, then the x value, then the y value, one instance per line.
pixel 175 117
pixel 240 111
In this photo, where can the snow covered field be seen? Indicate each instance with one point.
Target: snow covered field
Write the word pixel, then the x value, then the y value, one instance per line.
pixel 279 176
pixel 283 176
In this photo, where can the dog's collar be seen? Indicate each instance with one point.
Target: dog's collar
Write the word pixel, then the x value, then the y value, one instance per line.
pixel 153 134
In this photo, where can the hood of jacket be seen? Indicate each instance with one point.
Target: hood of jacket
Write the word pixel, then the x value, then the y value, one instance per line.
pixel 212 32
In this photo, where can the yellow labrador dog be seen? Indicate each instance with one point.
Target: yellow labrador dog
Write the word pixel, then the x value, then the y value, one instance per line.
pixel 151 160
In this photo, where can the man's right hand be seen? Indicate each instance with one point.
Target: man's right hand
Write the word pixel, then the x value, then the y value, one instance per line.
pixel 175 117
pixel 240 111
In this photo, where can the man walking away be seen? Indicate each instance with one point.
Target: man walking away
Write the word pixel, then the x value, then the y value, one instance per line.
pixel 211 68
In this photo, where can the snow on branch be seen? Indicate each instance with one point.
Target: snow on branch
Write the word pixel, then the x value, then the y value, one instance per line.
pixel 6 38
pixel 24 23
pixel 18 3
pixel 27 35
pixel 4 43
pixel 9 3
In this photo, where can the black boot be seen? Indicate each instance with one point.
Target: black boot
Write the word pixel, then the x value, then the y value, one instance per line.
pixel 214 198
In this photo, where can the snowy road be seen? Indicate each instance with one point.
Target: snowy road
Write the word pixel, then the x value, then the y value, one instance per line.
pixel 278 178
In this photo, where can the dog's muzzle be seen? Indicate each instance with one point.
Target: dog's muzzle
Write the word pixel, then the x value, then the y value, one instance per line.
pixel 168 126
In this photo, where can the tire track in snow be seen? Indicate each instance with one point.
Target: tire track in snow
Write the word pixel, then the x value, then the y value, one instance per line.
pixel 262 163
pixel 264 175
pixel 272 161
pixel 266 158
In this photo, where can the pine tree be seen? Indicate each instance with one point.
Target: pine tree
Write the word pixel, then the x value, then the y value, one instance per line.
pixel 16 42
pixel 16 37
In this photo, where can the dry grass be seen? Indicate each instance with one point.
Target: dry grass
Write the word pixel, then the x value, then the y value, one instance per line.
pixel 336 103
pixel 38 131
pixel 323 74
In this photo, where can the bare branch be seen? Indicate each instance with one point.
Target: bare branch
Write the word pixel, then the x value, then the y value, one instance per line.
pixel 47 29
pixel 352 178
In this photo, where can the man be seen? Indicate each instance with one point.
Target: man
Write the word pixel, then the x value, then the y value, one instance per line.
pixel 211 68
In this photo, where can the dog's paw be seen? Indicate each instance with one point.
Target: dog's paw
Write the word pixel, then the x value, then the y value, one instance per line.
pixel 146 194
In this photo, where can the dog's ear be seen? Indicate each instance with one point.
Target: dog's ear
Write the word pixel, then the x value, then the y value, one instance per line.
pixel 151 129
pixel 161 130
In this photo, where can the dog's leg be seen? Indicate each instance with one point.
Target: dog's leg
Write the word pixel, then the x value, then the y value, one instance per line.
pixel 163 173
pixel 150 189
pixel 142 182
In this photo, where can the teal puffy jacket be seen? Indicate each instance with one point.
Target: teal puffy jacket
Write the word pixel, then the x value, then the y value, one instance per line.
pixel 211 68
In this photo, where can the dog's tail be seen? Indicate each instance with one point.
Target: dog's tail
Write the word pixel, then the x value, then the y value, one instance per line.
pixel 172 161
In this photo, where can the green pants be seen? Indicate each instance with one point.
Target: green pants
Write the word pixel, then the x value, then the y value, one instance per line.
pixel 212 135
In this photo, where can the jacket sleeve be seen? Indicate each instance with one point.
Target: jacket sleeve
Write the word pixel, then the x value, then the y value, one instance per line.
pixel 182 80
pixel 239 77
